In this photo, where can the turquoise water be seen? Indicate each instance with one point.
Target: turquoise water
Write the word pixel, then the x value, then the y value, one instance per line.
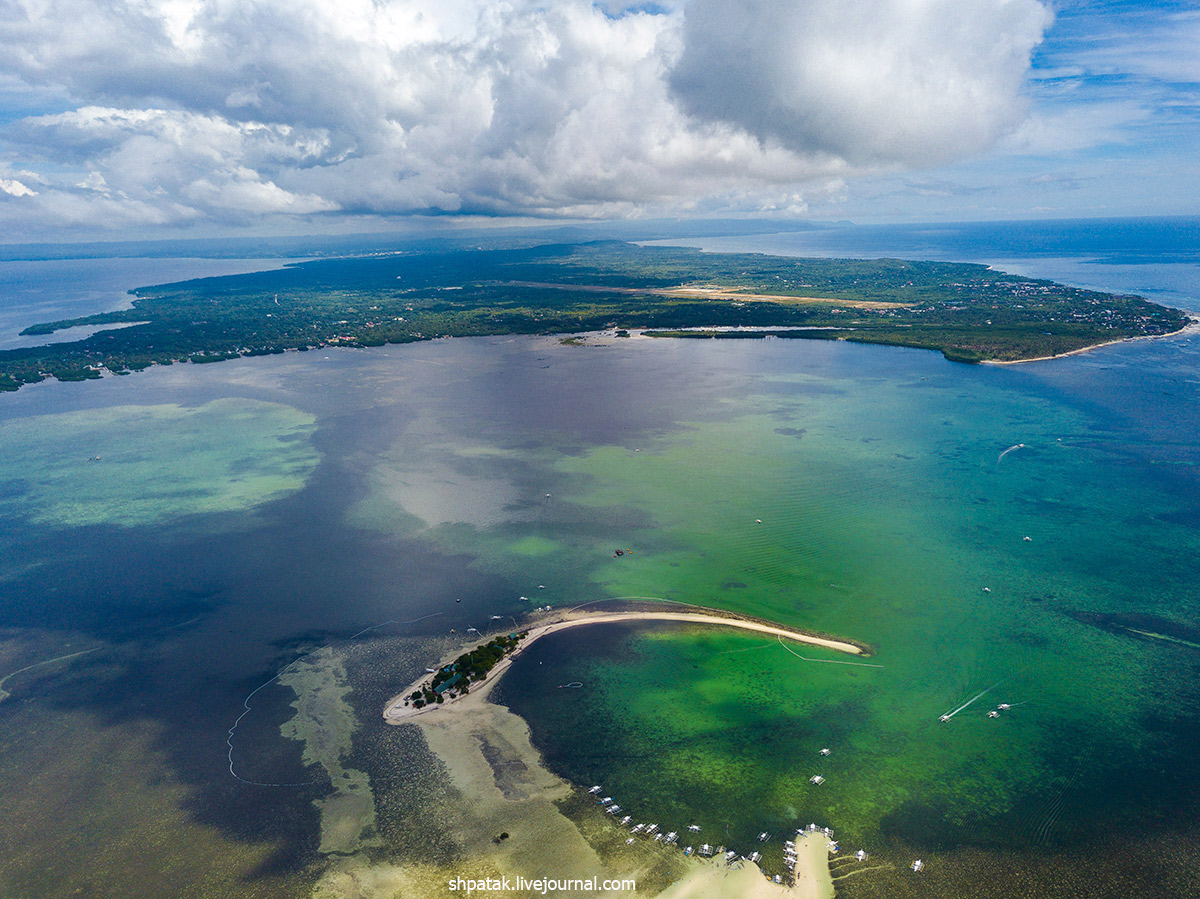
pixel 252 511
pixel 896 518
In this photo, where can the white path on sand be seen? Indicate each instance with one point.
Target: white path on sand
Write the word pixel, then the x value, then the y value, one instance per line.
pixel 396 712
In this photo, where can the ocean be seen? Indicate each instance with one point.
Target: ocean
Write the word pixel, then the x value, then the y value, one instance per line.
pixel 174 539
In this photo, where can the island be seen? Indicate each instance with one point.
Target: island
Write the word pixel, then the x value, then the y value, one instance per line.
pixel 452 679
pixel 488 754
pixel 969 312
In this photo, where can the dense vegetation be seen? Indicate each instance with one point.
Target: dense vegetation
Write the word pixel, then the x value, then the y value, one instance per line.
pixel 969 312
pixel 470 666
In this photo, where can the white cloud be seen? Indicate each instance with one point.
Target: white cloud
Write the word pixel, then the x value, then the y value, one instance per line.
pixel 15 188
pixel 913 82
pixel 1069 129
pixel 218 110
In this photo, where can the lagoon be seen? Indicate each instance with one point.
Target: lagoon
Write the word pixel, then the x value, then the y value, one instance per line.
pixel 350 508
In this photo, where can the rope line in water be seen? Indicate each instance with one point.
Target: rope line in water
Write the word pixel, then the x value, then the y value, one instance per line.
pixel 282 671
pixel 4 694
pixel 824 661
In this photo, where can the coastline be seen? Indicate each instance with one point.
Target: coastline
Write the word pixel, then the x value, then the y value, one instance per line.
pixel 396 712
pixel 1192 327
pixel 505 788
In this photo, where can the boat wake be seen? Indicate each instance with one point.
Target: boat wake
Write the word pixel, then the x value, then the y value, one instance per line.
pixel 1015 446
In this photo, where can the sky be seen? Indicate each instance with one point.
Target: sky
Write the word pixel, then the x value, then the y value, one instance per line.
pixel 142 118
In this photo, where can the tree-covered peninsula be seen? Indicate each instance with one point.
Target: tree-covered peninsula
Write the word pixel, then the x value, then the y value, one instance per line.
pixel 969 312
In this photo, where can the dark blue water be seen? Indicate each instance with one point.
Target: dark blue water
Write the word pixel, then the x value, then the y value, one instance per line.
pixel 194 608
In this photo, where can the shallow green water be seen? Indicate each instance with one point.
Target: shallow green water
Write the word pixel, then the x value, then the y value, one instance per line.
pixel 257 510
pixel 884 509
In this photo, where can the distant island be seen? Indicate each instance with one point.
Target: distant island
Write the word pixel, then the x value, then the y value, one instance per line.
pixel 969 312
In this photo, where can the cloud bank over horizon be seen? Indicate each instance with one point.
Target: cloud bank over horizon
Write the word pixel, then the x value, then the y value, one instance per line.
pixel 177 113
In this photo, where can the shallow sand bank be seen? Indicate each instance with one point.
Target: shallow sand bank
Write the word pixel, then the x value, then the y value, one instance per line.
pixel 396 712
pixel 714 881
pixel 505 788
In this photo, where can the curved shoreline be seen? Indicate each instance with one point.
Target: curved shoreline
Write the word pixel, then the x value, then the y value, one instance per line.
pixel 395 712
pixel 1191 327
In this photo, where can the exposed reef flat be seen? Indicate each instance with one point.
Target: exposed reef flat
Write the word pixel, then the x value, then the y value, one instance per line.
pixel 520 818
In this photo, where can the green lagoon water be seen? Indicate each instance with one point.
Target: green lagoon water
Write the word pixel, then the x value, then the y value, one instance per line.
pixel 244 515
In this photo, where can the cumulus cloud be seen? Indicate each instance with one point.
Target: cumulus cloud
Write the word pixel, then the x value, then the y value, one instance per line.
pixel 182 111
pixel 914 82
pixel 15 188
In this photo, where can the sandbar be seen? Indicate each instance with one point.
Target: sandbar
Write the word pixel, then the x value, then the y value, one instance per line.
pixel 396 712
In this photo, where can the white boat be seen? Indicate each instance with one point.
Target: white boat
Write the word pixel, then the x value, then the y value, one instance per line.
pixel 816 779
pixel 672 837
pixel 658 838
pixel 694 828
pixel 918 865
pixel 763 837
pixel 730 856
pixel 832 846
pixel 1004 707
pixel 861 855
pixel 755 856
pixel 706 850
pixel 626 820
pixel 688 851
pixel 594 790
pixel 994 713
pixel 651 828
pixel 628 841
pixel 606 800
pixel 943 718
pixel 826 751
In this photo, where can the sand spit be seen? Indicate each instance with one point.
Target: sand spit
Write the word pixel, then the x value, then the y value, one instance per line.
pixel 505 789
pixel 1192 327
pixel 396 712
pixel 713 881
